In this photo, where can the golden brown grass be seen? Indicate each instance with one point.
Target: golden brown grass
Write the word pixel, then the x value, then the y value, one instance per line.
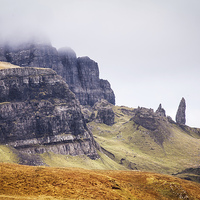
pixel 6 65
pixel 27 182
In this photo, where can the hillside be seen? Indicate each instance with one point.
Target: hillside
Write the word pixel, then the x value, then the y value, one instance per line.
pixel 169 148
pixel 126 145
pixel 42 123
pixel 26 182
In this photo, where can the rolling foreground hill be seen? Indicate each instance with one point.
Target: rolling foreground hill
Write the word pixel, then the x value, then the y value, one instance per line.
pixel 28 182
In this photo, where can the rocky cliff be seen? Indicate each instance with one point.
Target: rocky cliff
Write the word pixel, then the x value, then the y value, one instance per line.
pixel 39 113
pixel 81 74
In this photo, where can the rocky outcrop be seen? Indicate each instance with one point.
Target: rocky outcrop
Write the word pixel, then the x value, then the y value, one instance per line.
pixel 180 115
pixel 33 54
pixel 161 111
pixel 81 74
pixel 70 71
pixel 156 125
pixel 105 113
pixel 88 113
pixel 38 113
pixel 146 118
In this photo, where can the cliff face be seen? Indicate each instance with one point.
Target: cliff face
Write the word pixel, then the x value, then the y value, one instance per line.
pixel 38 113
pixel 81 74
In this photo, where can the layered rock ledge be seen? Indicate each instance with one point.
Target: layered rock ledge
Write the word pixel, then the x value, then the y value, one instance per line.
pixel 39 113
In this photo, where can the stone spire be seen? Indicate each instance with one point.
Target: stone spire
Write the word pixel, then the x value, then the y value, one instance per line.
pixel 161 111
pixel 180 115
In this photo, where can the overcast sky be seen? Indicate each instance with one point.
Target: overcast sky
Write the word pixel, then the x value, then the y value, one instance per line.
pixel 149 50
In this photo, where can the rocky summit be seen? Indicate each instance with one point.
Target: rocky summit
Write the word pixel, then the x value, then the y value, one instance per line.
pixel 161 111
pixel 81 74
pixel 39 113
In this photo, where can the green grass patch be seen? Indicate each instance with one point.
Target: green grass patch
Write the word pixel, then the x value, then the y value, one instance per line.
pixel 58 160
pixel 7 155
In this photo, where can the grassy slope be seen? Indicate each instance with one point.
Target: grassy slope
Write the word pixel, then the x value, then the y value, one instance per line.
pixel 7 154
pixel 10 155
pixel 27 182
pixel 6 65
pixel 139 151
pixel 57 160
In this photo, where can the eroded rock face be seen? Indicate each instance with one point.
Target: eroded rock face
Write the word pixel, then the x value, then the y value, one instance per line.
pixel 161 111
pixel 38 113
pixel 180 115
pixel 156 124
pixel 146 118
pixel 81 74
pixel 105 113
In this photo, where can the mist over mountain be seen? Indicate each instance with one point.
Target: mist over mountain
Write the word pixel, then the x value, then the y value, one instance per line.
pixel 81 74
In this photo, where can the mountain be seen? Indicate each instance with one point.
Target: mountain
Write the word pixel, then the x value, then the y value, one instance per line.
pixel 42 123
pixel 39 113
pixel 28 182
pixel 81 74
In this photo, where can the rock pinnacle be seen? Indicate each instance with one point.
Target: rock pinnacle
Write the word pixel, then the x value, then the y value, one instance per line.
pixel 180 115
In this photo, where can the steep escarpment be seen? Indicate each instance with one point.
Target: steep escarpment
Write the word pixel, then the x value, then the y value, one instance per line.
pixel 39 113
pixel 81 74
